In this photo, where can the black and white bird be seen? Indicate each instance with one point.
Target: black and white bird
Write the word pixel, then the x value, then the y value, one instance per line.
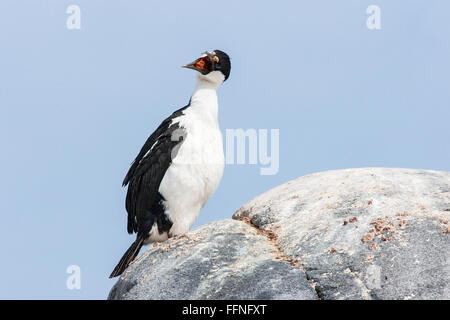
pixel 180 165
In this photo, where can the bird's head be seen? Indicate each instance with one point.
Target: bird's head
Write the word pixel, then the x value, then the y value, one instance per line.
pixel 212 66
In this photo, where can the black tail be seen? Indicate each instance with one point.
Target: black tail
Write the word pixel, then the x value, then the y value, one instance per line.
pixel 128 257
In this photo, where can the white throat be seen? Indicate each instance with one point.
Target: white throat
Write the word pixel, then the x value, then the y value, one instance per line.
pixel 204 99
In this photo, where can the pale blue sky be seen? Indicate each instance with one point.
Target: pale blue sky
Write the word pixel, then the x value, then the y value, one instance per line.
pixel 76 106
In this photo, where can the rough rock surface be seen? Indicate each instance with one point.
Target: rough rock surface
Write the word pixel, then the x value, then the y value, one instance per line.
pixel 372 233
pixel 222 260
pixel 364 233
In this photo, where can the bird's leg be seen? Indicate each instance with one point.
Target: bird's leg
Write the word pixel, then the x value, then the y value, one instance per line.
pixel 155 243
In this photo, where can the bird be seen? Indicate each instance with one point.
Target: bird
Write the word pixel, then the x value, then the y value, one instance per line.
pixel 180 165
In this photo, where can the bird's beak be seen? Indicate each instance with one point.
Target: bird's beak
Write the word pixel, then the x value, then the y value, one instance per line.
pixel 203 64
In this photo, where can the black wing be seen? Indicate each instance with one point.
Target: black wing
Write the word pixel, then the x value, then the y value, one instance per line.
pixel 146 173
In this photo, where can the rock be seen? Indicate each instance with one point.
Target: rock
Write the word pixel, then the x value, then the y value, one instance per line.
pixel 348 234
pixel 364 233
pixel 221 260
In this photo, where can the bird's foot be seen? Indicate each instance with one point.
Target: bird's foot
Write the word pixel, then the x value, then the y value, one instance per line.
pixel 155 244
pixel 182 236
pixel 185 236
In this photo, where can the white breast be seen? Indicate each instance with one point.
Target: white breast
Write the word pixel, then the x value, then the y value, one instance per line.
pixel 198 166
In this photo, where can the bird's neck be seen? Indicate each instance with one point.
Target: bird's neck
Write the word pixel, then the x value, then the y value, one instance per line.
pixel 204 100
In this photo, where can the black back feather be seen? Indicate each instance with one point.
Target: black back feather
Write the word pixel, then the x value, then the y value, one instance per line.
pixel 143 201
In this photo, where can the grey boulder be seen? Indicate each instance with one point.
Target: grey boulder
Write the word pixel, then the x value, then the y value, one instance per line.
pixel 222 260
pixel 373 233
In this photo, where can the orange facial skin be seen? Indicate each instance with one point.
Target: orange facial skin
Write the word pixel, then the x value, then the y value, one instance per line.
pixel 203 64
